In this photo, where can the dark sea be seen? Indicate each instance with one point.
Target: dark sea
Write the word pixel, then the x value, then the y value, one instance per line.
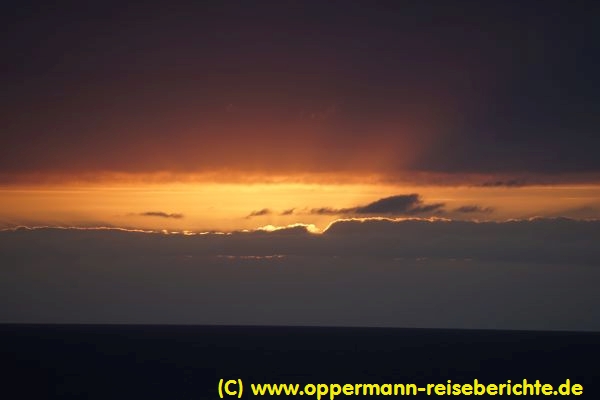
pixel 187 362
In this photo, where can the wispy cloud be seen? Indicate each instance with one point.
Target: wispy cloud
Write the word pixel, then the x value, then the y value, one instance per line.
pixel 259 213
pixel 160 214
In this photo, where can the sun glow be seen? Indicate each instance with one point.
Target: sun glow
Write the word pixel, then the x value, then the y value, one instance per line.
pixel 311 228
pixel 194 207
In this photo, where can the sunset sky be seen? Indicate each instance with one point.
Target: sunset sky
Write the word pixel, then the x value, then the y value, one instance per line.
pixel 223 116
pixel 295 117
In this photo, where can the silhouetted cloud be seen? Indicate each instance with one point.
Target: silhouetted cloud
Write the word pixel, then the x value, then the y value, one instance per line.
pixel 391 205
pixel 161 214
pixel 288 212
pixel 474 209
pixel 408 204
pixel 543 240
pixel 259 213
pixel 360 272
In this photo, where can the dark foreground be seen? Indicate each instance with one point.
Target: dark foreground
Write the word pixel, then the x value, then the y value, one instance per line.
pixel 186 362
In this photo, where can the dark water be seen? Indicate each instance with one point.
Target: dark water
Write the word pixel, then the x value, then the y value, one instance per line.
pixel 186 362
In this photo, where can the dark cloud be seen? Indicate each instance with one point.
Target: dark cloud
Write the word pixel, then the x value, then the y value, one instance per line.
pixel 541 240
pixel 416 89
pixel 401 204
pixel 161 214
pixel 259 213
pixel 409 204
pixel 288 212
pixel 368 272
pixel 474 209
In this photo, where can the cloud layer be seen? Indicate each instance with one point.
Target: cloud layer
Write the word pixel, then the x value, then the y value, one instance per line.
pixel 533 274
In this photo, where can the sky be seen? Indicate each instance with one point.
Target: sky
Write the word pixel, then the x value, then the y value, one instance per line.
pixel 222 118
pixel 187 105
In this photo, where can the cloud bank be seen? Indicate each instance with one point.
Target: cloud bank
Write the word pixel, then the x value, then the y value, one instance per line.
pixel 533 274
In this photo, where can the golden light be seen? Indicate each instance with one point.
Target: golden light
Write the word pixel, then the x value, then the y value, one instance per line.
pixel 196 205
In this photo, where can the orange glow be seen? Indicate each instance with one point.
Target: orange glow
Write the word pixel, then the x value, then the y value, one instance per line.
pixel 210 206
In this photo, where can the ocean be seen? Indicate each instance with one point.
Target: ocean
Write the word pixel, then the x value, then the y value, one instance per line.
pixel 187 362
